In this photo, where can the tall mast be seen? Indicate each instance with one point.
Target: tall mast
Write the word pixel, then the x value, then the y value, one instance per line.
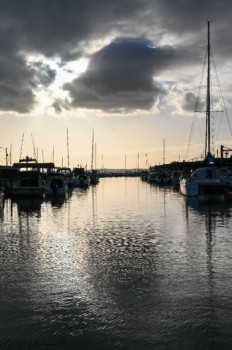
pixel 208 92
pixel 21 148
pixel 67 148
pixel 95 153
pixel 92 156
pixel 163 151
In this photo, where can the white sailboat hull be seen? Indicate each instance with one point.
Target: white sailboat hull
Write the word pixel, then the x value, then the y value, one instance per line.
pixel 188 187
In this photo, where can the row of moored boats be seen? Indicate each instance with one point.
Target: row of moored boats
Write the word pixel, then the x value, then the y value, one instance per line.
pixel 31 181
pixel 208 179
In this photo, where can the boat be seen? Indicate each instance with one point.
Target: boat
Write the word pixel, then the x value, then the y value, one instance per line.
pixel 175 177
pixel 82 179
pixel 209 178
pixel 162 178
pixel 28 182
pixel 56 185
pixel 68 176
pixel 152 175
pixel 2 196
pixel 143 175
pixel 188 187
pixel 94 177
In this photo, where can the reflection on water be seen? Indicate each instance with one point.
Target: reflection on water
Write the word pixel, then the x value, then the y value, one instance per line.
pixel 120 265
pixel 215 214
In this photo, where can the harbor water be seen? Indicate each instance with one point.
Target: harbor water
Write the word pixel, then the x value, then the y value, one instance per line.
pixel 120 265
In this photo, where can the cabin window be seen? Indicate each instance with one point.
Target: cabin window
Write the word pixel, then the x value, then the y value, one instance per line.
pixel 29 182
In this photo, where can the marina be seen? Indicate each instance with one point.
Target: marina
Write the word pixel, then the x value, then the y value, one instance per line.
pixel 116 211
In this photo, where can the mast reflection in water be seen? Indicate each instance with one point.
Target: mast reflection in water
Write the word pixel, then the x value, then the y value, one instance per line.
pixel 120 265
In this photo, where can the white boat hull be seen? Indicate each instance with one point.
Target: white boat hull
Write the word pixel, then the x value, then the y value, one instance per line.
pixel 189 187
pixel 81 181
pixel 56 187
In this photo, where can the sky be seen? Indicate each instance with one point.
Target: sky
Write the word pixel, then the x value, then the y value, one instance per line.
pixel 127 70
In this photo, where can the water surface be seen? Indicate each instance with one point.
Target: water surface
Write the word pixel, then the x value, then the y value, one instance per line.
pixel 120 265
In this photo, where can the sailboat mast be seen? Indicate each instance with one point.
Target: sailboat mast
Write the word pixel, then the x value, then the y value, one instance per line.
pixel 208 92
pixel 67 147
pixel 92 155
pixel 20 155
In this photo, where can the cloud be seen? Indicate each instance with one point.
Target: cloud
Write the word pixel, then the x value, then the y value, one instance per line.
pixel 42 74
pixel 68 29
pixel 60 104
pixel 185 102
pixel 16 81
pixel 189 102
pixel 120 77
pixel 19 81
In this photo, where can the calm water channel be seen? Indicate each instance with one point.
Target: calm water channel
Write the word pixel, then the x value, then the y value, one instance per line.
pixel 121 265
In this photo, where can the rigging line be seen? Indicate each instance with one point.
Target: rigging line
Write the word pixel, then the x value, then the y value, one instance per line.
pixel 190 136
pixel 223 101
pixel 196 105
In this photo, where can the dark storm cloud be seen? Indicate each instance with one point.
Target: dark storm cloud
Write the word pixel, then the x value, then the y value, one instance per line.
pixel 52 28
pixel 120 77
pixel 66 28
pixel 16 82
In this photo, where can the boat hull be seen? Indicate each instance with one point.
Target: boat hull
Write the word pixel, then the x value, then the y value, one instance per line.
pixel 27 191
pixel 189 188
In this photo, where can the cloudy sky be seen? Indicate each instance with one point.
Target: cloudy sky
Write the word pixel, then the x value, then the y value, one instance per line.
pixel 129 69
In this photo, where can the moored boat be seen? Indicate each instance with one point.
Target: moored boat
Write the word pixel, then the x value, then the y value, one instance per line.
pixel 94 178
pixel 68 176
pixel 28 183
pixel 82 180
pixel 209 178
pixel 162 178
pixel 175 177
pixel 81 177
pixel 56 186
pixel 152 174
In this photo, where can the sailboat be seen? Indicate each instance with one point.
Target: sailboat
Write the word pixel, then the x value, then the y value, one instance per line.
pixel 211 178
